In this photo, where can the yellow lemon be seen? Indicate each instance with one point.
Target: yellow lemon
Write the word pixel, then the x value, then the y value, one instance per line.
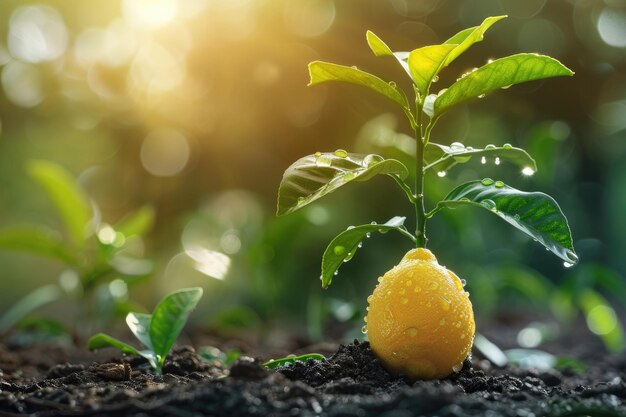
pixel 420 321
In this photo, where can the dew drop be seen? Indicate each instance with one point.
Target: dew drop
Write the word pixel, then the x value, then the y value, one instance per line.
pixel 318 154
pixel 457 367
pixel 442 322
pixel 402 291
pixel 441 173
pixel 409 283
pixel 483 160
pixel 364 329
pixel 507 146
pixel 488 204
pixel 497 160
pixel 506 87
pixel 445 303
pixel 349 176
pixel 481 96
pixel 339 250
pixel 373 223
pixel 323 161
pixel 457 146
pixel 336 273
pixel 487 181
pixel 370 298
pixel 411 331
pixel 463 282
pixel 434 285
pixel 360 245
pixel 341 153
pixel 528 171
pixel 457 324
pixel 490 146
pixel 411 273
pixel 380 279
pixel 349 227
pixel 365 319
pixel 516 217
pixel 567 264
pixel 499 184
pixel 392 84
pixel 436 78
pixel 489 61
pixel 368 235
pixel 301 200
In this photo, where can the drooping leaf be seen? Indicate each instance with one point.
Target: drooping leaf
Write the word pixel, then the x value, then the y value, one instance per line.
pixel 169 318
pixel 500 73
pixel 137 223
pixel 69 199
pixel 324 71
pixel 343 247
pixel 139 324
pixel 425 63
pixel 314 176
pixel 29 303
pixel 534 213
pixel 441 157
pixel 101 340
pixel 275 363
pixel 468 37
pixel 37 240
pixel 377 45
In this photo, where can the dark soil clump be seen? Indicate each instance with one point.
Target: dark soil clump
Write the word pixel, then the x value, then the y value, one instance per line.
pixel 350 383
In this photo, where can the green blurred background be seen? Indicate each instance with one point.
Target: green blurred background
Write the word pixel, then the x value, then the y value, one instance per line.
pixel 196 107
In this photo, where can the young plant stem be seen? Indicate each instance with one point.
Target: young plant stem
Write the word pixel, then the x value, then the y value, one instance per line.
pixel 420 229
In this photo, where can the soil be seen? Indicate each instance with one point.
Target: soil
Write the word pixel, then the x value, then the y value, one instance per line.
pixel 351 382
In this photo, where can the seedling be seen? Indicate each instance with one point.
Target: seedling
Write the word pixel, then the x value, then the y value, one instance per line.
pixel 94 253
pixel 157 331
pixel 287 360
pixel 420 320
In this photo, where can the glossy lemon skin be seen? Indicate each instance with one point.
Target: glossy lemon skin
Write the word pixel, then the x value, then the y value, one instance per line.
pixel 420 321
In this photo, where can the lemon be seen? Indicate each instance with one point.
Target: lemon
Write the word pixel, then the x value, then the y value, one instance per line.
pixel 420 321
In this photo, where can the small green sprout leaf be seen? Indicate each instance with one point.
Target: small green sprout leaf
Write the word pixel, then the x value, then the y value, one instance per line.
pixel 324 71
pixel 169 318
pixel 139 324
pixel 157 331
pixel 314 176
pixel 275 363
pixel 69 199
pixel 101 340
pixel 500 73
pixel 441 157
pixel 344 245
pixel 37 240
pixel 534 213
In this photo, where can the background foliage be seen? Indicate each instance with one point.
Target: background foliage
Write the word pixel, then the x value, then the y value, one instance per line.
pixel 196 107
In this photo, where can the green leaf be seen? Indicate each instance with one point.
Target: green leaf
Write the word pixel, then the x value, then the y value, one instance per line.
pixel 603 321
pixel 468 37
pixel 137 223
pixel 169 318
pixel 101 340
pixel 500 73
pixel 343 247
pixel 275 363
pixel 441 157
pixel 37 240
pixel 139 324
pixel 29 303
pixel 69 199
pixel 324 71
pixel 314 176
pixel 535 214
pixel 425 63
pixel 378 47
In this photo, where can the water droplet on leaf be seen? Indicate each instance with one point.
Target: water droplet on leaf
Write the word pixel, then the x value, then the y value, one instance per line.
pixel 323 161
pixel 341 153
pixel 339 250
pixel 487 181
pixel 441 174
pixel 499 184
pixel 497 160
pixel 528 171
pixel 488 204
pixel 490 146
pixel 483 160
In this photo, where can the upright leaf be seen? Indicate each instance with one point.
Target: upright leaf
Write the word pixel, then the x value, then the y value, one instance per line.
pixel 169 318
pixel 441 157
pixel 324 71
pixel 378 47
pixel 468 37
pixel 425 63
pixel 314 176
pixel 36 240
pixel 139 324
pixel 137 223
pixel 344 245
pixel 69 199
pixel 500 73
pixel 535 214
